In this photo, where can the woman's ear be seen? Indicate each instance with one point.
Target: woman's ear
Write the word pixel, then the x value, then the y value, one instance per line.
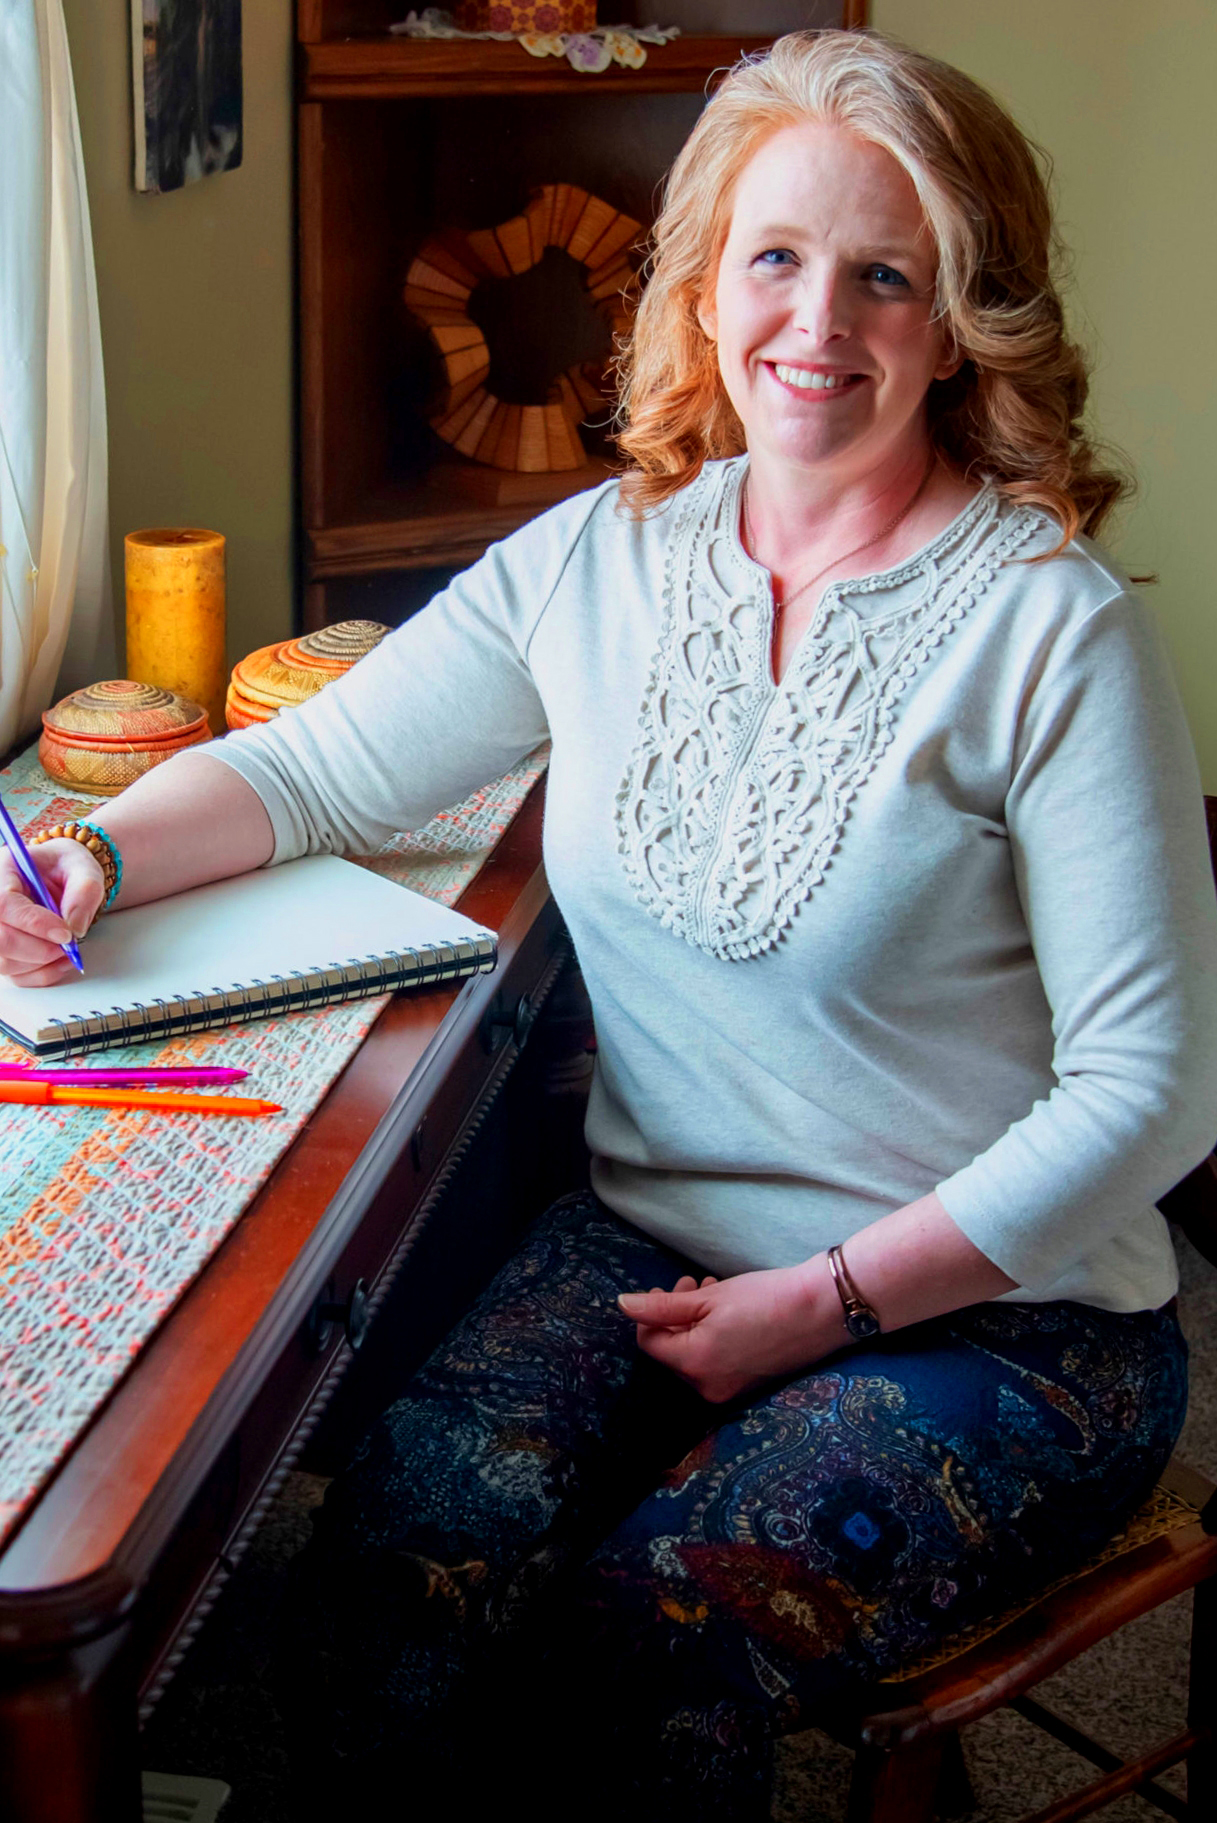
pixel 707 315
pixel 951 361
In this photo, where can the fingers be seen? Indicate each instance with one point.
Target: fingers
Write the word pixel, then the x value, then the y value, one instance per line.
pixel 664 1309
pixel 25 926
pixel 81 899
pixel 681 1351
pixel 49 976
pixel 75 879
pixel 670 1346
pixel 31 937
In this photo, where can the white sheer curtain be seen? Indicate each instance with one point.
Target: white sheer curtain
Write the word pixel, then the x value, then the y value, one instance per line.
pixel 56 628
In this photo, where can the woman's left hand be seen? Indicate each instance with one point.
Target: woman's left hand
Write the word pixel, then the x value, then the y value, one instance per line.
pixel 725 1336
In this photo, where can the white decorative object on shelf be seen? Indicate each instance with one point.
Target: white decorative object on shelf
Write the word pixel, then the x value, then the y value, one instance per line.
pixel 589 52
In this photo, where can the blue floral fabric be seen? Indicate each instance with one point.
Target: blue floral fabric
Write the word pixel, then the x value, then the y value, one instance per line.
pixel 551 1536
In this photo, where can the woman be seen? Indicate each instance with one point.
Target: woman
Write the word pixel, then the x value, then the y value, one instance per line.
pixel 874 819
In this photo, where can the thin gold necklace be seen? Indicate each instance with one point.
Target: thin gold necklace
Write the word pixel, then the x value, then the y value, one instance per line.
pixel 885 531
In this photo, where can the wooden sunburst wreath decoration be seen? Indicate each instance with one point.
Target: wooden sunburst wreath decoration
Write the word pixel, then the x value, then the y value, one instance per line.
pixel 443 276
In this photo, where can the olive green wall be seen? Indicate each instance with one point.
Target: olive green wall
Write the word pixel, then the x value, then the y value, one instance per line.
pixel 1120 92
pixel 196 310
pixel 195 290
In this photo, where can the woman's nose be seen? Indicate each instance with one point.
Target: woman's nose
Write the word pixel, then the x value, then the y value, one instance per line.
pixel 822 308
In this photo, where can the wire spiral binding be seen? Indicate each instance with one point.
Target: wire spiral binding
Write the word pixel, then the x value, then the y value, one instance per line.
pixel 358 978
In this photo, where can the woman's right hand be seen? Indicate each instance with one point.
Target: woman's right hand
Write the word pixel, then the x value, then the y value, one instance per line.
pixel 191 820
pixel 31 937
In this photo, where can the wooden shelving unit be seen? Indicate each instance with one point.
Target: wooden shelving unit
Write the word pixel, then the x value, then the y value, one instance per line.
pixel 397 137
pixel 385 69
pixel 430 523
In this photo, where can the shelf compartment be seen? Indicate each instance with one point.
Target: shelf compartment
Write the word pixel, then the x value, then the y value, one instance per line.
pixel 432 523
pixel 389 68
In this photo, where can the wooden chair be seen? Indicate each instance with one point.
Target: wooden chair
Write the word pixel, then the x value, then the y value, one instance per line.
pixel 909 1767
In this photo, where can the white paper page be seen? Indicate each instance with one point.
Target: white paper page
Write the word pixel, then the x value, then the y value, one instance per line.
pixel 315 913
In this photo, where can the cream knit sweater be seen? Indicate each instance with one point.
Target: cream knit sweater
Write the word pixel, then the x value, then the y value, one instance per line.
pixel 934 912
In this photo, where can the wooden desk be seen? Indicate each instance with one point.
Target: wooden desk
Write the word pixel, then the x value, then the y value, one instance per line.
pixel 116 1566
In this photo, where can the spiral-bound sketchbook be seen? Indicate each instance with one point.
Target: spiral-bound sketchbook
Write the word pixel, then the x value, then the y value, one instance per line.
pixel 304 934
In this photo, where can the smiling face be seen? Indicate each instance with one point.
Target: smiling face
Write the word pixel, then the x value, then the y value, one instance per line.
pixel 823 305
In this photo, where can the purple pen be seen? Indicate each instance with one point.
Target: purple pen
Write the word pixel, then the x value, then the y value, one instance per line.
pixel 33 879
pixel 106 1079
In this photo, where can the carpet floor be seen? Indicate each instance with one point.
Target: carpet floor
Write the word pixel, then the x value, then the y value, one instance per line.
pixel 218 1720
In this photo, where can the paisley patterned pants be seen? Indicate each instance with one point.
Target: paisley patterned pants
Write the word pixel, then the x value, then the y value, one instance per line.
pixel 551 1562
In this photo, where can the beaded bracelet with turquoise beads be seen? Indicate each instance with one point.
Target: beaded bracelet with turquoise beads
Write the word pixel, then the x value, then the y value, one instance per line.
pixel 73 831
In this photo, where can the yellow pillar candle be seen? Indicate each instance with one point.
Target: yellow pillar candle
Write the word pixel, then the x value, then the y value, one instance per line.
pixel 175 615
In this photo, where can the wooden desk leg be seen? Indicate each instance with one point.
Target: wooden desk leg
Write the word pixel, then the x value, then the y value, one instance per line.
pixel 69 1737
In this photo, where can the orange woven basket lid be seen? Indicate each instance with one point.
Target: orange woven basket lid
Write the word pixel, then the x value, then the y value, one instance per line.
pixel 261 677
pixel 292 670
pixel 334 649
pixel 237 704
pixel 118 711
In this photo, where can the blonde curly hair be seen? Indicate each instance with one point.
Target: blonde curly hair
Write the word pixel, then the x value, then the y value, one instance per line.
pixel 1012 414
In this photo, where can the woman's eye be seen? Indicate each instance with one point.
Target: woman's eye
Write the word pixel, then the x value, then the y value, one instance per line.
pixel 886 275
pixel 775 257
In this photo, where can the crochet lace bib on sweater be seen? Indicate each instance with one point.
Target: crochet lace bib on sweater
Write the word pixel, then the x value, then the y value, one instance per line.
pixel 738 788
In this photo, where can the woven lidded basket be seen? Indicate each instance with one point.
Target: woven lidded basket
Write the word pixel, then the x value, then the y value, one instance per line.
pixel 101 739
pixel 525 15
pixel 289 672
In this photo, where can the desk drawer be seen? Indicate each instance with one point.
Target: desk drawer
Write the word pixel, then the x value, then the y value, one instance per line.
pixel 294 1363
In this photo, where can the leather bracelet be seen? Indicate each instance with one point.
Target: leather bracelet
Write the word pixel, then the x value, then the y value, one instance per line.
pixel 861 1319
pixel 102 847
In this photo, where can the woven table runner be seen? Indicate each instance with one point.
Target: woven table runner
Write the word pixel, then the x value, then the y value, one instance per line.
pixel 107 1215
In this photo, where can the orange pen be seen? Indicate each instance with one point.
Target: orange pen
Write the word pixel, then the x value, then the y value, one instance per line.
pixel 42 1093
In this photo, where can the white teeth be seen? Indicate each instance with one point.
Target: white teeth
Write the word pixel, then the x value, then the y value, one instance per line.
pixel 810 382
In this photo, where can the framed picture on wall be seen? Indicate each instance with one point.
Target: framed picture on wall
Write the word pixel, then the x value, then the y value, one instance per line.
pixel 186 73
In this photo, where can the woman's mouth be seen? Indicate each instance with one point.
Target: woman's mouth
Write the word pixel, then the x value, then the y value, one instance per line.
pixel 819 380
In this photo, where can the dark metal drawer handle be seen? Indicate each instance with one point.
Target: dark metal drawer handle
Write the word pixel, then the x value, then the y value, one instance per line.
pixel 514 1023
pixel 354 1317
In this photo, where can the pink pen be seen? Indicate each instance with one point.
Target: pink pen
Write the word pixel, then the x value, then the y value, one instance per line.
pixel 107 1079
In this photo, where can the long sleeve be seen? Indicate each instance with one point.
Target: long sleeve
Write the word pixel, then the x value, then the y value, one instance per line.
pixel 989 958
pixel 442 705
pixel 1110 858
